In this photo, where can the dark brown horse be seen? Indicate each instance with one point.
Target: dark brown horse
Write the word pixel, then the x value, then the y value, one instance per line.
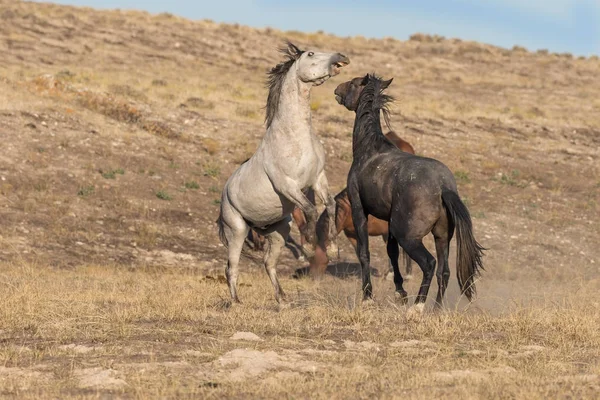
pixel 416 195
pixel 344 222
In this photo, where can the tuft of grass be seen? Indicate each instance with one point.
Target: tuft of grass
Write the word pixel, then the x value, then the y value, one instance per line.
pixel 159 82
pixel 214 189
pixel 192 185
pixel 246 112
pixel 85 191
pixel 462 176
pixel 112 174
pixel 163 195
pixel 511 179
pixel 212 170
pixel 197 102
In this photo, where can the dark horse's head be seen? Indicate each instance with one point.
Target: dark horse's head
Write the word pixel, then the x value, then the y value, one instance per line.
pixel 348 93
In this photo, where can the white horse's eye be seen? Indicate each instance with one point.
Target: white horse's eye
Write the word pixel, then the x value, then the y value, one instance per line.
pixel 310 54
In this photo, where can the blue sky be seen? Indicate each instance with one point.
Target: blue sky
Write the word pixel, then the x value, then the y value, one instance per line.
pixel 557 25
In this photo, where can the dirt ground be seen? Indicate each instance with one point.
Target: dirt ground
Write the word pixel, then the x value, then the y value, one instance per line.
pixel 119 129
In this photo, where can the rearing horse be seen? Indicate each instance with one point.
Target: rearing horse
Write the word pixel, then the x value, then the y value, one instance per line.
pixel 262 193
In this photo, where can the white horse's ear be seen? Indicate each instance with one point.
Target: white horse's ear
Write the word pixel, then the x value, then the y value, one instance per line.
pixel 293 49
pixel 385 84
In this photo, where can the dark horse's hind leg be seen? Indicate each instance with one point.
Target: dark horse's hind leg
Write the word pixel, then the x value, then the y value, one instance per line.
pixel 442 248
pixel 415 249
pixel 393 253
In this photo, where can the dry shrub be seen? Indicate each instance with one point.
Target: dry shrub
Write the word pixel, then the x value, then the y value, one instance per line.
pixel 425 38
pixel 211 146
pixel 421 37
pixel 127 91
pixel 147 235
pixel 159 128
pixel 159 82
pixel 197 102
pixel 111 107
pixel 519 49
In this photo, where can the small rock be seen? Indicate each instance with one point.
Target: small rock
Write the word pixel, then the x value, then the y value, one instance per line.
pixel 249 336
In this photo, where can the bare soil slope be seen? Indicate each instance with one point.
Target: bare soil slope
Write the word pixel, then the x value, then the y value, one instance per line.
pixel 118 130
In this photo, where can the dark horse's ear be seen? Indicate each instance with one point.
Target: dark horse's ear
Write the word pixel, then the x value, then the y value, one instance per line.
pixel 365 80
pixel 385 84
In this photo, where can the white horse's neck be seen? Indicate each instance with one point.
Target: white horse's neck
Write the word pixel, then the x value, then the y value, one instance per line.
pixel 293 117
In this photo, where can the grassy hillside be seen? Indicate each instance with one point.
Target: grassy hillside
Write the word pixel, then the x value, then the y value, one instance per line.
pixel 119 129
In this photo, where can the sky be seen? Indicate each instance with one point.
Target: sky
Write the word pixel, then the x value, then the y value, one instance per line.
pixel 557 25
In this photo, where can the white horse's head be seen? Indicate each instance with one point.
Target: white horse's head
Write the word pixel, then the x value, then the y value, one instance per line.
pixel 316 67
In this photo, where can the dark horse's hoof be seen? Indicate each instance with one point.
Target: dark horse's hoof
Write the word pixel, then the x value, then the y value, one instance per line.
pixel 401 296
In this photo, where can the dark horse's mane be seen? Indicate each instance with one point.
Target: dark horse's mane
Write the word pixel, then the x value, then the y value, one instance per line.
pixel 372 102
pixel 276 77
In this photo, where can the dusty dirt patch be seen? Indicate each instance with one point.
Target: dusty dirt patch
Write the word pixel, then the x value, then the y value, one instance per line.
pixel 247 336
pixel 242 364
pixel 99 378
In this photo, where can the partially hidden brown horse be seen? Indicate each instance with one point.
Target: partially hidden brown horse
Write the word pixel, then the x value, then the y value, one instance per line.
pixel 344 222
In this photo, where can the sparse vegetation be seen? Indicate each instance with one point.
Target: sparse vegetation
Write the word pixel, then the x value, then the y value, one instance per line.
pixel 163 195
pixel 192 185
pixel 511 179
pixel 86 191
pixel 112 173
pixel 462 176
pixel 212 170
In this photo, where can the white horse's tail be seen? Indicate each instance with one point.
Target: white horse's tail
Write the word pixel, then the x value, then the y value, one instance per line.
pixel 220 225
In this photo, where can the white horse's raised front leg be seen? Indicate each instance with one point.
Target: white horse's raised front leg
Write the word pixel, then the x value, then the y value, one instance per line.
pixel 293 193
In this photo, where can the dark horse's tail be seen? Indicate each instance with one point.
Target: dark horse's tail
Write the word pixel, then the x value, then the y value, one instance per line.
pixel 469 252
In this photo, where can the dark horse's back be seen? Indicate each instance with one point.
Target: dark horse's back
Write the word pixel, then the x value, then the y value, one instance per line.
pixel 391 179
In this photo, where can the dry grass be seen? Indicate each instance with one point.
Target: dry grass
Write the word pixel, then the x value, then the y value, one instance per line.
pixel 115 286
pixel 57 323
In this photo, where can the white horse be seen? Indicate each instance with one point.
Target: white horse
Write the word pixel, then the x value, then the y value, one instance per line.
pixel 263 192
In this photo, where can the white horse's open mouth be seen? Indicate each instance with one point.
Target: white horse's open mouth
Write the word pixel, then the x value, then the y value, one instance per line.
pixel 336 67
